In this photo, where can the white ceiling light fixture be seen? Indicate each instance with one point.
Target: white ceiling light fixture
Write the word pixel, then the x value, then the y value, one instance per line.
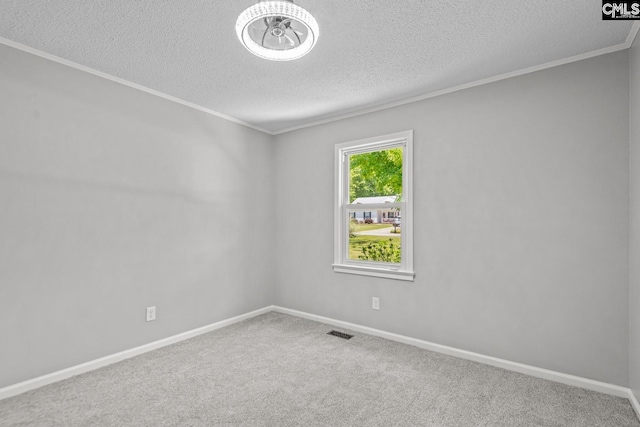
pixel 277 30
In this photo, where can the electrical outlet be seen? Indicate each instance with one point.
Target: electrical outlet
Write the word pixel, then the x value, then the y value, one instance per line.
pixel 151 313
pixel 375 303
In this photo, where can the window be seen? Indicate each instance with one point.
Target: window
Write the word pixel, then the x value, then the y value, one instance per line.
pixel 373 207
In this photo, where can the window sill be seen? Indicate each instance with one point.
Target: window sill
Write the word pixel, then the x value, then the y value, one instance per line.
pixel 387 273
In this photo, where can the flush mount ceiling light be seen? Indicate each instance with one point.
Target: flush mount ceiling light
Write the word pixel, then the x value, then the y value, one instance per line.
pixel 277 30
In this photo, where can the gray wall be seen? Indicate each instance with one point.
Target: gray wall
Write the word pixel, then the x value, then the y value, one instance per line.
pixel 112 200
pixel 521 221
pixel 634 247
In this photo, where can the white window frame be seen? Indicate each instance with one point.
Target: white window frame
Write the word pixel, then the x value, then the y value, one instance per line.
pixel 342 264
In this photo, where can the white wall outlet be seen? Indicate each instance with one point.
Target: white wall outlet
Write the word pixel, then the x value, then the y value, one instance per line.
pixel 375 303
pixel 151 313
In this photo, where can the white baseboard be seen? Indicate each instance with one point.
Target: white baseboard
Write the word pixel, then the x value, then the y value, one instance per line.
pixel 476 357
pixel 31 384
pixel 559 377
pixel 634 403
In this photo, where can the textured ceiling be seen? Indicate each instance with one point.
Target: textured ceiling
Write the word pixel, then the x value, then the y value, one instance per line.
pixel 369 53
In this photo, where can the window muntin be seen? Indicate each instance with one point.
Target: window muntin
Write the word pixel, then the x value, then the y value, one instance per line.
pixel 373 207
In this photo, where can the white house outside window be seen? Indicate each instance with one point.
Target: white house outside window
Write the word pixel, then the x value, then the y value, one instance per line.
pixel 373 207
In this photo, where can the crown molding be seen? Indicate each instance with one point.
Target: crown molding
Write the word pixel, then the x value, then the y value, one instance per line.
pixel 633 33
pixel 627 44
pixel 533 69
pixel 124 82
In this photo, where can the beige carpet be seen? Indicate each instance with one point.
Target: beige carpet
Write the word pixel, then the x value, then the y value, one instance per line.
pixel 279 370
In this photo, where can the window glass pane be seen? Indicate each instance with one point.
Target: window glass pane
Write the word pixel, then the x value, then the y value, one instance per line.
pixel 374 214
pixel 376 177
pixel 373 236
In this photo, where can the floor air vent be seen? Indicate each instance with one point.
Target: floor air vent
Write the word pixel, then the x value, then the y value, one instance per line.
pixel 340 335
